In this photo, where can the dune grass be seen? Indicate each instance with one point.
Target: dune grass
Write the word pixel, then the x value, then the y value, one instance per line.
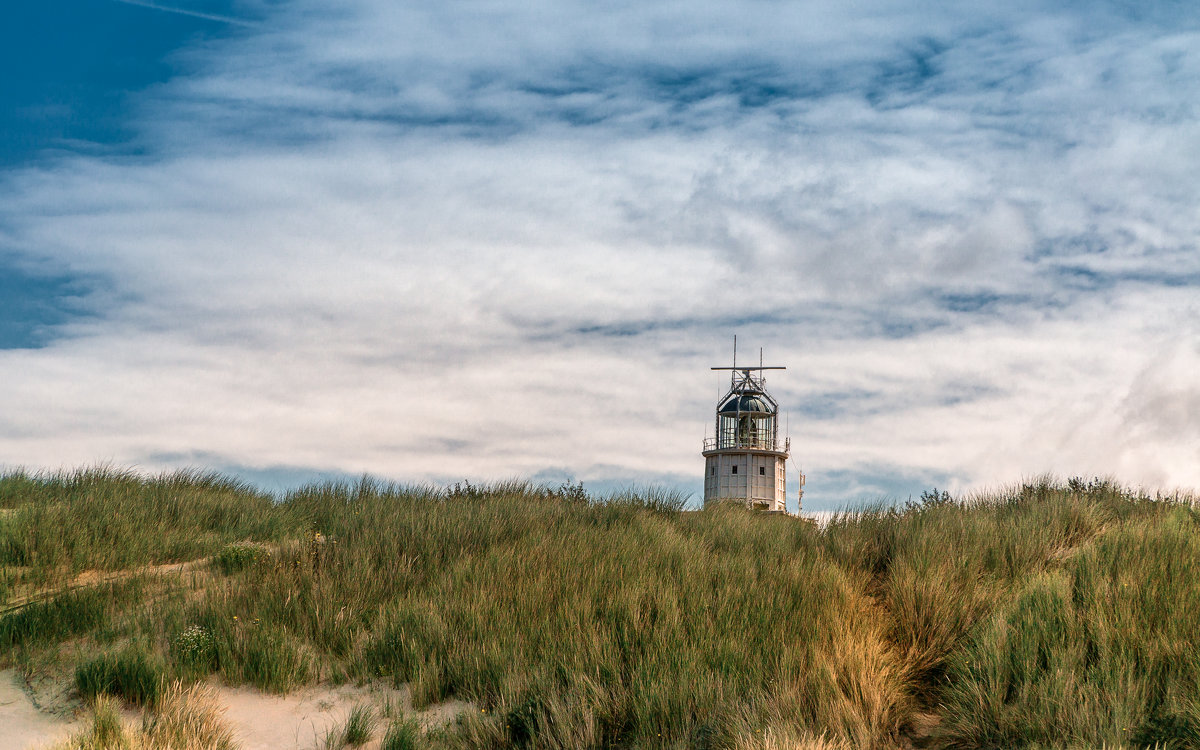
pixel 358 729
pixel 402 735
pixel 186 718
pixel 61 524
pixel 1101 649
pixel 1045 615
pixel 132 674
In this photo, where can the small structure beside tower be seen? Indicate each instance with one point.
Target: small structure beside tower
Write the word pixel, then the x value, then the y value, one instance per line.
pixel 745 462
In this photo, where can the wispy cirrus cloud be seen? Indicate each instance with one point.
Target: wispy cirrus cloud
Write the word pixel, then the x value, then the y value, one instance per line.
pixel 188 12
pixel 431 241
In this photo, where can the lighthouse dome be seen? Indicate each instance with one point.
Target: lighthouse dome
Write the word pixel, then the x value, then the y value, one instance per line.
pixel 746 404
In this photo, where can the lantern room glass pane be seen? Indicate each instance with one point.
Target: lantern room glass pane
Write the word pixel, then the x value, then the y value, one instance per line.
pixel 746 431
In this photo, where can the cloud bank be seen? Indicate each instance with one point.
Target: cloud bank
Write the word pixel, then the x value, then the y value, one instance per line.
pixel 436 242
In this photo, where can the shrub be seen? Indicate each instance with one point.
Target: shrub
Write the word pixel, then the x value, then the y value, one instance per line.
pixel 238 556
pixel 195 649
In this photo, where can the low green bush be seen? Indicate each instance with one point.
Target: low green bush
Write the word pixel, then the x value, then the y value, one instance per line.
pixel 195 649
pixel 238 556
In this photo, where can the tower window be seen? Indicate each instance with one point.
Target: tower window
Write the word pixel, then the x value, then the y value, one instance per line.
pixel 762 470
pixel 734 470
pixel 712 472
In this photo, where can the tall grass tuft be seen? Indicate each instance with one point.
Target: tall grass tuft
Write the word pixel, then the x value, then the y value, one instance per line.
pixel 184 719
pixel 269 658
pixel 132 674
pixel 403 734
pixel 188 718
pixel 360 726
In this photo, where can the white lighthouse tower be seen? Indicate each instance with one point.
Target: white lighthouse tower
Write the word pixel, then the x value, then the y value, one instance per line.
pixel 745 462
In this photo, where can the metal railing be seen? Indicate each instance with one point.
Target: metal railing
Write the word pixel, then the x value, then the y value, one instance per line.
pixel 751 443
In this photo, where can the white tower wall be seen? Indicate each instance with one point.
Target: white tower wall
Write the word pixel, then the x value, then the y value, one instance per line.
pixel 757 479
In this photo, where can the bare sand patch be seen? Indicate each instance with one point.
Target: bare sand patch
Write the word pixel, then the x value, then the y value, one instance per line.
pixel 300 720
pixel 22 723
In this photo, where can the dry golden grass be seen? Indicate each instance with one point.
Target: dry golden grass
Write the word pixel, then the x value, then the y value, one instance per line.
pixel 183 719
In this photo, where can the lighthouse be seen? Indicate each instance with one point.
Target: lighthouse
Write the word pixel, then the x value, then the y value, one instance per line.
pixel 745 462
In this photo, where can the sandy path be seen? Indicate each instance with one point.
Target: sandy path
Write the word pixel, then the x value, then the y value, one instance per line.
pixel 90 578
pixel 298 721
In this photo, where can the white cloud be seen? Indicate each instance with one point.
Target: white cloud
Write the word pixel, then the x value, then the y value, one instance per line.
pixel 439 241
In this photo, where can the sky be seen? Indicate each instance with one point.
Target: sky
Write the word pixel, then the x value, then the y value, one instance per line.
pixel 433 242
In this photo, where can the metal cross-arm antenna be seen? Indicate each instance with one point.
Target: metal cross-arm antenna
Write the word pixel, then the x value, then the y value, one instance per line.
pixel 746 378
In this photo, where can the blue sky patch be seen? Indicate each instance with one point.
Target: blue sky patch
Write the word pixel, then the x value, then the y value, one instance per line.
pixel 858 487
pixel 980 302
pixel 276 479
pixel 837 404
pixel 34 305
pixel 71 68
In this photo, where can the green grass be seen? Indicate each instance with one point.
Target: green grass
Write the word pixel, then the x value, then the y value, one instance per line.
pixel 132 674
pixel 1102 650
pixel 1044 615
pixel 403 734
pixel 360 726
pixel 265 656
pixel 56 617
pixel 98 519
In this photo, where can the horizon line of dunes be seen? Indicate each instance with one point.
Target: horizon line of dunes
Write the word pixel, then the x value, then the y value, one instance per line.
pixel 1047 614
